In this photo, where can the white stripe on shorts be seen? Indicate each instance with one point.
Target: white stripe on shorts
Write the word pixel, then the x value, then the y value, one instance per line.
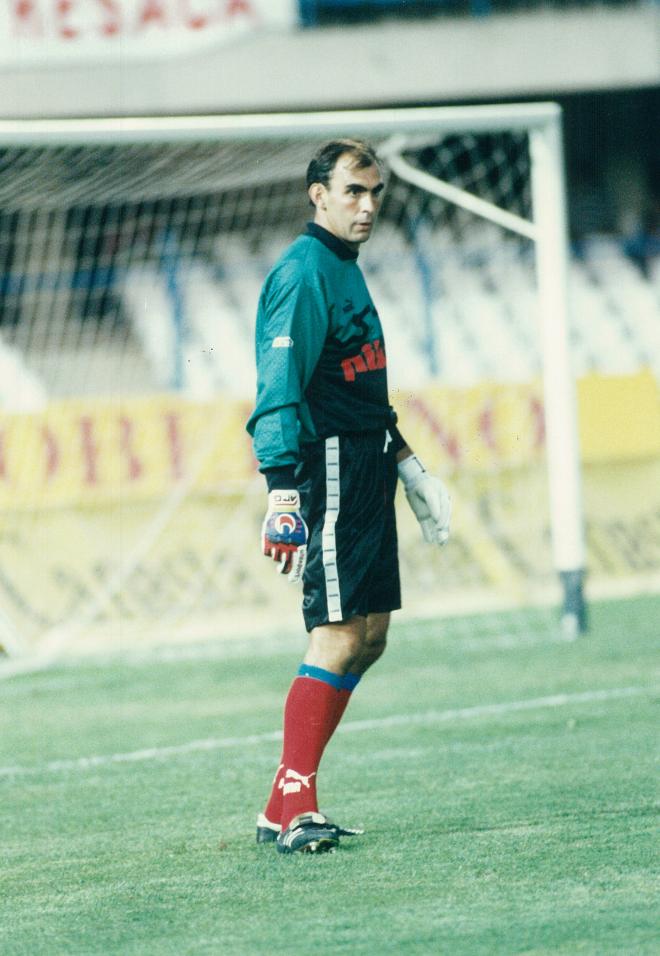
pixel 328 542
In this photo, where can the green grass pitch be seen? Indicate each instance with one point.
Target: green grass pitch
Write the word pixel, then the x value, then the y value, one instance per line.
pixel 506 785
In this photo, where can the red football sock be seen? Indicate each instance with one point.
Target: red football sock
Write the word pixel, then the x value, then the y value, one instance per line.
pixel 308 715
pixel 273 810
pixel 343 697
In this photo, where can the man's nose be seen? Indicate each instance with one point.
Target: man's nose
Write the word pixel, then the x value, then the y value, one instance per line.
pixel 368 203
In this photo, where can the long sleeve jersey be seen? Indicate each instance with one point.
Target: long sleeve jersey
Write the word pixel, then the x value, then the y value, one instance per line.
pixel 321 362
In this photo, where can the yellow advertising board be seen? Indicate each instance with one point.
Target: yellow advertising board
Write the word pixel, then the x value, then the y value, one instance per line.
pixel 152 507
pixel 87 452
pixel 619 417
pixel 96 451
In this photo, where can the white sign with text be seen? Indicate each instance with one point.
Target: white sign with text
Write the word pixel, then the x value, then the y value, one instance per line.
pixel 45 32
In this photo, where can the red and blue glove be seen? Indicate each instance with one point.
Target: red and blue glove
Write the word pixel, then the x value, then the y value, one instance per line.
pixel 284 533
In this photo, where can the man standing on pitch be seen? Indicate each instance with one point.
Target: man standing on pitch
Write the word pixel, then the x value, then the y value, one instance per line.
pixel 326 440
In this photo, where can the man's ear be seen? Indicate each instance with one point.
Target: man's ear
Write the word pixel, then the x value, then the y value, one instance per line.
pixel 316 194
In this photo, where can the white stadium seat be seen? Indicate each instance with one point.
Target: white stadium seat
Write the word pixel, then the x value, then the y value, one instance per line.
pixel 472 317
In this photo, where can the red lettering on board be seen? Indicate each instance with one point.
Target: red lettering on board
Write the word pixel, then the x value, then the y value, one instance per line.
pixel 175 444
pixel 152 12
pixel 71 19
pixel 28 20
pixel 487 426
pixel 63 9
pixel 448 441
pixel 192 19
pixel 51 452
pixel 237 7
pixel 90 451
pixel 538 420
pixel 112 25
pixel 126 431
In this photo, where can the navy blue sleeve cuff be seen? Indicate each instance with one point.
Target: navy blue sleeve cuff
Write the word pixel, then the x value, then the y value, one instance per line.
pixel 398 441
pixel 283 478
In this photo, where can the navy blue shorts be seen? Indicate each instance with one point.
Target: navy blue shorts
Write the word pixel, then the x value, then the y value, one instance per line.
pixel 347 486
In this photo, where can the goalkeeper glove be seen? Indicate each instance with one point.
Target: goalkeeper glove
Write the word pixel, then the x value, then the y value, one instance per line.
pixel 428 498
pixel 284 533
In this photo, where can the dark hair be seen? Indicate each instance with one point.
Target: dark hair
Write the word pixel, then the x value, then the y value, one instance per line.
pixel 325 158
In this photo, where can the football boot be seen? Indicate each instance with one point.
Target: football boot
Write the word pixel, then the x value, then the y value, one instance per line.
pixel 308 833
pixel 267 832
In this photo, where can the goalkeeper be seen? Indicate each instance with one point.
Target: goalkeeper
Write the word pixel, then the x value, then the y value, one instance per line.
pixel 326 440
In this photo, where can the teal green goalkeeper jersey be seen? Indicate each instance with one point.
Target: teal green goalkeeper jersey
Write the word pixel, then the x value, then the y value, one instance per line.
pixel 321 363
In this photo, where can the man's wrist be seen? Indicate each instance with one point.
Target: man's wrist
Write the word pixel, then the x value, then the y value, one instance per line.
pixel 410 470
pixel 280 478
pixel 399 444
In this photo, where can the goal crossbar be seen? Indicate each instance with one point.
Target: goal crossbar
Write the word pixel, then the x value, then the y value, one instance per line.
pixel 150 129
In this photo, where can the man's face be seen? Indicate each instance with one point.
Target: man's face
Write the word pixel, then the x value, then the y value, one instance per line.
pixel 348 206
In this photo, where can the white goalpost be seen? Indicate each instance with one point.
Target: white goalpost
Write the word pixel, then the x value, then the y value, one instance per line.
pixel 548 230
pixel 131 255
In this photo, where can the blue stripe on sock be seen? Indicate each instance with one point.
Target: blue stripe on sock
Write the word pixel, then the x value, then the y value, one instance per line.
pixel 318 673
pixel 350 681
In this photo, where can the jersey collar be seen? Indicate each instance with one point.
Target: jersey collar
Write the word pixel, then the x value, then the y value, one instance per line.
pixel 334 244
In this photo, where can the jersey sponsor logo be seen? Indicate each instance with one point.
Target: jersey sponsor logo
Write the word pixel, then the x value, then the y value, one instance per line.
pixel 282 342
pixel 347 334
pixel 370 358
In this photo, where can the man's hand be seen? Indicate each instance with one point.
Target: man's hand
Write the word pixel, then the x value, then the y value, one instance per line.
pixel 428 498
pixel 284 533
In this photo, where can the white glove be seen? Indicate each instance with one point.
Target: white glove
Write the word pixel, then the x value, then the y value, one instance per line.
pixel 284 533
pixel 428 498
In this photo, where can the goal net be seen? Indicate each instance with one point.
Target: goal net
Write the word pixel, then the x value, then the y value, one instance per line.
pixel 131 258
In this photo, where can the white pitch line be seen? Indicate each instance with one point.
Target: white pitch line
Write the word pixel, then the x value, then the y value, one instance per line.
pixel 428 717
